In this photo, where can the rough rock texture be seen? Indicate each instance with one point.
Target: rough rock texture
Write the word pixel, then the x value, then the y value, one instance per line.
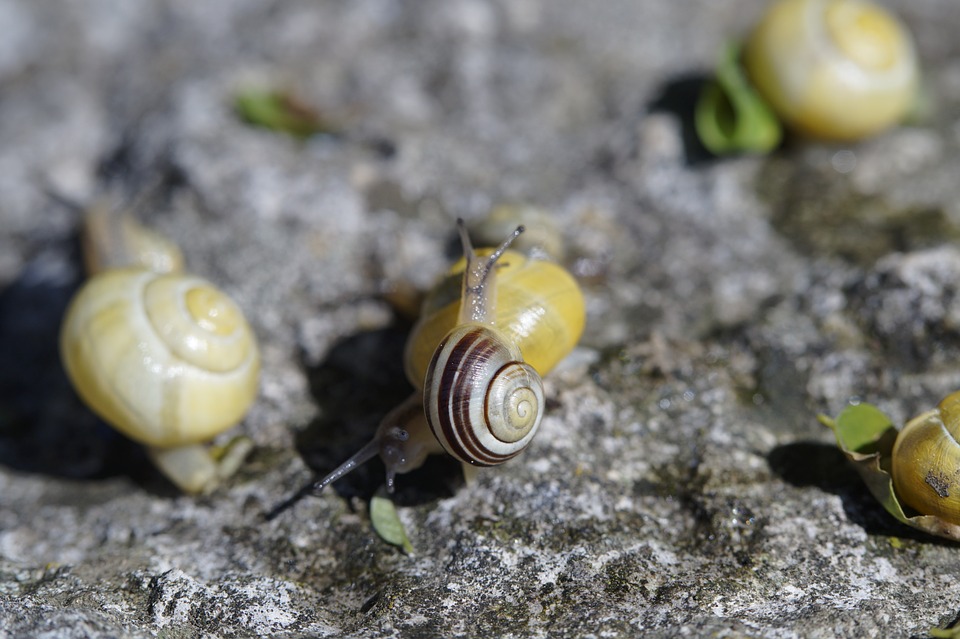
pixel 681 485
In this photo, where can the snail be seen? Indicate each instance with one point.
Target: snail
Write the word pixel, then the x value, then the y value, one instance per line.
pixel 925 462
pixel 487 333
pixel 163 356
pixel 833 69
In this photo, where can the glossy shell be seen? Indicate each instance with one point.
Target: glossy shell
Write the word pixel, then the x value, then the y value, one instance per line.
pixel 926 462
pixel 168 360
pixel 539 307
pixel 483 405
pixel 834 69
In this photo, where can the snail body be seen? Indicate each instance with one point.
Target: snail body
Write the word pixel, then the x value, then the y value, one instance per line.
pixel 487 334
pixel 833 69
pixel 164 357
pixel 926 461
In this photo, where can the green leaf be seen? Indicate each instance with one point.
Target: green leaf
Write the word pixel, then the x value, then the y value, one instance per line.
pixel 866 436
pixel 281 112
pixel 730 116
pixel 859 428
pixel 386 522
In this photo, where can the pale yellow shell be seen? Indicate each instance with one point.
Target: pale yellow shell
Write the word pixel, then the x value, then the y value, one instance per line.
pixel 538 306
pixel 169 360
pixel 926 462
pixel 835 69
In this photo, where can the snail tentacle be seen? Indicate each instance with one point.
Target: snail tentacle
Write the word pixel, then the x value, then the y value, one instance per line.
pixel 362 456
pixel 478 299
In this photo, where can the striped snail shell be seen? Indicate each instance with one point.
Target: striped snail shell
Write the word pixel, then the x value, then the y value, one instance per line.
pixel 483 403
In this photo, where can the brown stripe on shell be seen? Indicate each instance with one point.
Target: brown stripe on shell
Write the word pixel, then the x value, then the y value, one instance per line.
pixel 481 455
pixel 443 430
pixel 475 347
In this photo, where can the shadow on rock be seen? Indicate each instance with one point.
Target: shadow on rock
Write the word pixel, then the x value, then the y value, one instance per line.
pixel 358 383
pixel 679 97
pixel 44 427
pixel 823 466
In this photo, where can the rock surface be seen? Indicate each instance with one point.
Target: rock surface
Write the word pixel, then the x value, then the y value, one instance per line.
pixel 681 485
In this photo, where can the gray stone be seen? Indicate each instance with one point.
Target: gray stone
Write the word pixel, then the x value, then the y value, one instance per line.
pixel 681 485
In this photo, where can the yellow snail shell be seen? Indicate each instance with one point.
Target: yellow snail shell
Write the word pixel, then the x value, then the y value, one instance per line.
pixel 541 236
pixel 833 69
pixel 926 461
pixel 165 357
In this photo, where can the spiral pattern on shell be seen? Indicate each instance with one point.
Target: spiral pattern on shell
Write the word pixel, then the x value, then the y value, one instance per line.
pixel 167 359
pixel 482 402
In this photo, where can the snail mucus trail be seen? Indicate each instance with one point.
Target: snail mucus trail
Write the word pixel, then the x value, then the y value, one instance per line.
pixel 405 436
